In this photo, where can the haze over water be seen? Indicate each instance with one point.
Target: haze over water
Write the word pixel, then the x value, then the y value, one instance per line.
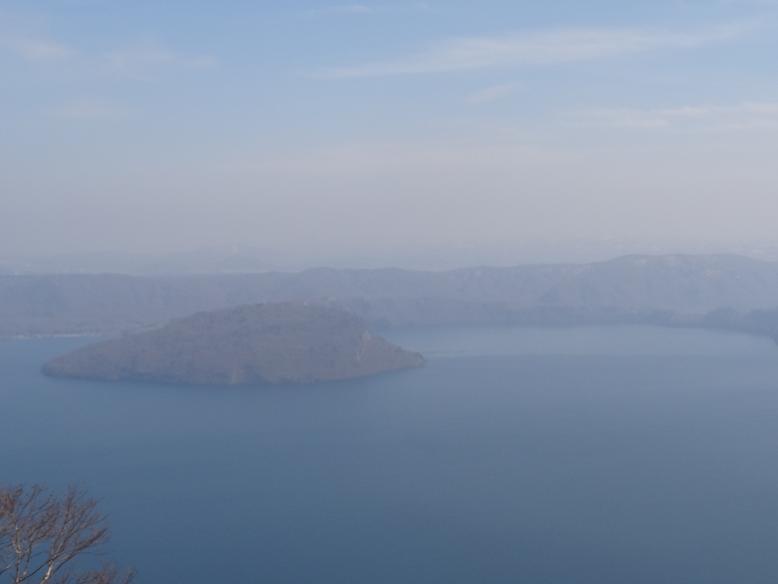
pixel 585 455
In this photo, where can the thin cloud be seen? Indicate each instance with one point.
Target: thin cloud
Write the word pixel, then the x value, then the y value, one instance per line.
pixel 492 93
pixel 341 9
pixel 90 109
pixel 362 9
pixel 135 61
pixel 144 58
pixel 742 116
pixel 541 48
pixel 38 49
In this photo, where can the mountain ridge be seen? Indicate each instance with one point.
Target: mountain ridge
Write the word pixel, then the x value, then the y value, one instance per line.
pixel 628 285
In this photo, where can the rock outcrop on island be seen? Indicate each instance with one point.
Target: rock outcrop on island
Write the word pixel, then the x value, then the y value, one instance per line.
pixel 262 343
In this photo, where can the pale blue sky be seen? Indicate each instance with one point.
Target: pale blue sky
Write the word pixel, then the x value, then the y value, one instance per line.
pixel 368 129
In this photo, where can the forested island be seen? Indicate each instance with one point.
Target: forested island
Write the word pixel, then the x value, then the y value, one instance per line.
pixel 276 343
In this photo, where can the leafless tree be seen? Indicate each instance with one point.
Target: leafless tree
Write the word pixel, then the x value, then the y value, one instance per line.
pixel 45 539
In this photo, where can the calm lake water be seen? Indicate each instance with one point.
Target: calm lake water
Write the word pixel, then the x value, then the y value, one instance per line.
pixel 586 455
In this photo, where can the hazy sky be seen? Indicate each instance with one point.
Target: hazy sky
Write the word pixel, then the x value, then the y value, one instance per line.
pixel 371 128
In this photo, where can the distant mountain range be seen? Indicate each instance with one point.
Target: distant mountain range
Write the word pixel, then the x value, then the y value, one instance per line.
pixel 665 289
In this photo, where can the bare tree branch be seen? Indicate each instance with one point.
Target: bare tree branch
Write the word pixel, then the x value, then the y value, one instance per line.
pixel 41 535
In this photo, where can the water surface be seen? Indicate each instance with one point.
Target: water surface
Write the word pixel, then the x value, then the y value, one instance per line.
pixel 585 455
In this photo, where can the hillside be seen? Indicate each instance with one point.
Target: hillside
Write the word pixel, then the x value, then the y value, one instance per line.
pixel 627 287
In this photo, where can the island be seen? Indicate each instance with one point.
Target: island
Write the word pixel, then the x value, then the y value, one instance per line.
pixel 272 343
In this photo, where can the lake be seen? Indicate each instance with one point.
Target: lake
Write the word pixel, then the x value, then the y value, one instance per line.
pixel 585 455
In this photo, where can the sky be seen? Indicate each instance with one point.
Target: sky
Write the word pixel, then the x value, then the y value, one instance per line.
pixel 378 132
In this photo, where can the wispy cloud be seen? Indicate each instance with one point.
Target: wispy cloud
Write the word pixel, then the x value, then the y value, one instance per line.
pixel 492 93
pixel 365 8
pixel 142 59
pixel 742 116
pixel 536 48
pixel 757 3
pixel 90 109
pixel 341 9
pixel 37 49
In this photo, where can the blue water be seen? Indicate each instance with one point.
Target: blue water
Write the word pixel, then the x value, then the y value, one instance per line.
pixel 586 455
